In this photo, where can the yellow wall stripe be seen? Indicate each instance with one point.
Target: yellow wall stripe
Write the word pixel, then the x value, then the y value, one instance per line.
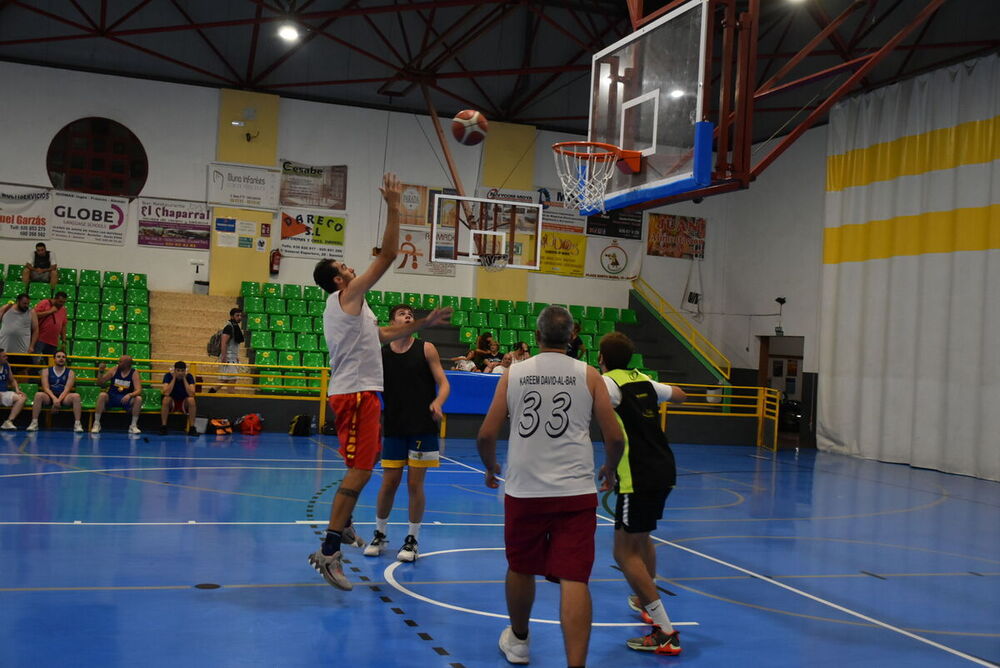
pixel 966 144
pixel 968 229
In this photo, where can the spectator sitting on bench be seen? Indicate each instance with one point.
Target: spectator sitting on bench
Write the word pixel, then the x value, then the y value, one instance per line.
pixel 57 391
pixel 124 391
pixel 41 269
pixel 178 395
pixel 9 397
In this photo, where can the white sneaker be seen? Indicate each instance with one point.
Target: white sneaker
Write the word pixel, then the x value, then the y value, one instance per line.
pixel 408 552
pixel 377 545
pixel 96 429
pixel 513 648
pixel 133 429
pixel 7 425
pixel 331 568
pixel 77 427
pixel 33 426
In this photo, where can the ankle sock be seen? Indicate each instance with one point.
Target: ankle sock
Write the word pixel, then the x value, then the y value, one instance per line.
pixel 659 616
pixel 331 543
pixel 382 525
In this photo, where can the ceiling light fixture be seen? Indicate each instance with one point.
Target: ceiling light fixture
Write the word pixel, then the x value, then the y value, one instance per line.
pixel 288 32
pixel 676 93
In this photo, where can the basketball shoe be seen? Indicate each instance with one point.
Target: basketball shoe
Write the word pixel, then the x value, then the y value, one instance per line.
pixel 377 545
pixel 514 649
pixel 409 550
pixel 348 536
pixel 657 642
pixel 331 568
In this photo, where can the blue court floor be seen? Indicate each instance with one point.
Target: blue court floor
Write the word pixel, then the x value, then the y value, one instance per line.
pixel 765 560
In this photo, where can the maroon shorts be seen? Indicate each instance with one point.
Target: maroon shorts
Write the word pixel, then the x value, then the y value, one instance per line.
pixel 357 418
pixel 552 536
pixel 177 405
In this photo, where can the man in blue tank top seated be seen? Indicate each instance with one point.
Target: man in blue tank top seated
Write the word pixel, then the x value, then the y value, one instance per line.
pixel 57 382
pixel 10 394
pixel 124 391
pixel 178 396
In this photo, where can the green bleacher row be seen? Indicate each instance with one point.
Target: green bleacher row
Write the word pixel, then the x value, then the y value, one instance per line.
pixel 107 314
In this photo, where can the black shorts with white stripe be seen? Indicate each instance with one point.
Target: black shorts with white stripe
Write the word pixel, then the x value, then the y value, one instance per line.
pixel 639 512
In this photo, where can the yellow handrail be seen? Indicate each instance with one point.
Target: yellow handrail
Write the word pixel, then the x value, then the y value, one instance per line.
pixel 713 355
pixel 737 401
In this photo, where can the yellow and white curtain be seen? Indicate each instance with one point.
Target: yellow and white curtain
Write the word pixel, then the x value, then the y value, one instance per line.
pixel 910 322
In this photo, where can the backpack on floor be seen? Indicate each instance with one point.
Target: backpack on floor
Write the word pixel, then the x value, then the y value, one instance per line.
pixel 250 424
pixel 219 426
pixel 301 425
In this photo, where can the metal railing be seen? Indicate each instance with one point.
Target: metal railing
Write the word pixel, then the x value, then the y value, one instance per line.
pixel 684 328
pixel 731 401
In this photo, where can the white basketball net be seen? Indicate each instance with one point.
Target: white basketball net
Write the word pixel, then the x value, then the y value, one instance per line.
pixel 493 262
pixel 585 172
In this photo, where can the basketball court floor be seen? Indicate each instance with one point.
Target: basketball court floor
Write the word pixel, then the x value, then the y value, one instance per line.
pixel 168 551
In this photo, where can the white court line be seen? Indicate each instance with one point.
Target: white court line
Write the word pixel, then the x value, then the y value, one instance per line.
pixel 173 468
pixel 213 523
pixel 390 577
pixel 811 597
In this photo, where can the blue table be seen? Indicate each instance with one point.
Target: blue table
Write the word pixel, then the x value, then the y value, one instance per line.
pixel 471 393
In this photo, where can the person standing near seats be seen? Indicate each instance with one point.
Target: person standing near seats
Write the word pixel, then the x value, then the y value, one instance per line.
pixel 646 475
pixel 178 395
pixel 52 317
pixel 10 394
pixel 41 269
pixel 550 498
pixel 415 390
pixel 232 337
pixel 354 340
pixel 19 330
pixel 576 347
pixel 57 383
pixel 125 392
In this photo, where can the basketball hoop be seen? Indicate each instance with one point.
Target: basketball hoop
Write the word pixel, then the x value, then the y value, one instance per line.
pixel 493 261
pixel 586 167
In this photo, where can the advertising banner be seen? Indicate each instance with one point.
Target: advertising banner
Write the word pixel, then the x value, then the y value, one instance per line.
pixel 617 259
pixel 173 223
pixel 322 187
pixel 563 254
pixel 313 234
pixel 415 252
pixel 92 219
pixel 243 186
pixel 25 212
pixel 557 216
pixel 618 224
pixel 675 236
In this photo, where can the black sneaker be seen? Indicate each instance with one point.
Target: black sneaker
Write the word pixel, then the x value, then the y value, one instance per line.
pixel 408 552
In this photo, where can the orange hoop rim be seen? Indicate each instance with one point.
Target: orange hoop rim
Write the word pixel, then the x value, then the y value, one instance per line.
pixel 608 150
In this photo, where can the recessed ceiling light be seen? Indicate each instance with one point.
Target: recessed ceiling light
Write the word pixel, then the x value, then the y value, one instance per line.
pixel 676 93
pixel 288 32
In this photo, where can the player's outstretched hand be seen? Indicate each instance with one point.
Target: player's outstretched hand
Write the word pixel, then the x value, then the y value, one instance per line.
pixel 607 478
pixel 439 315
pixel 391 189
pixel 491 476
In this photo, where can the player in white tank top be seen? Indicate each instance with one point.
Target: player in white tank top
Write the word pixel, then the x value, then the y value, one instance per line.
pixel 550 469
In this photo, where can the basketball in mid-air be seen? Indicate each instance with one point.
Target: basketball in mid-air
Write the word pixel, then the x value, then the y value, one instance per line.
pixel 469 127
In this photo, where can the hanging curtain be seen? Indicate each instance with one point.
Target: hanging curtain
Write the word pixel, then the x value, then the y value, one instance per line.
pixel 910 322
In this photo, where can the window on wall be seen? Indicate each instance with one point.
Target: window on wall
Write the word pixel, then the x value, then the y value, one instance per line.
pixel 97 155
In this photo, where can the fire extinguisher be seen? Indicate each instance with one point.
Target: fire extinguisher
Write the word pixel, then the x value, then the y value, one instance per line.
pixel 275 261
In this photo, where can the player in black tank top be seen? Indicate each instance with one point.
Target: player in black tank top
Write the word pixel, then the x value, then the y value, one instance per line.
pixel 415 390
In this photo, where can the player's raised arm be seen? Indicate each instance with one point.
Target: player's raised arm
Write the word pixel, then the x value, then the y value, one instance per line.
pixel 355 291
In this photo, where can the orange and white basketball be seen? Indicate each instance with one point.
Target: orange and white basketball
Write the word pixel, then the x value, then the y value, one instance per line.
pixel 469 127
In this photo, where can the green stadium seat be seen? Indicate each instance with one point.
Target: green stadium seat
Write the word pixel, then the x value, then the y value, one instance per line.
pixel 14 272
pixel 88 396
pixel 291 291
pixel 313 293
pixel 523 308
pixel 534 350
pixel 506 337
pixel 655 375
pixel 316 308
pixel 467 335
pixel 588 326
pixel 605 327
pixel 468 304
pixel 636 362
pixel 629 316
pixel 39 291
pixel 297 307
pixel 478 319
pixel 381 311
pixel 12 289
pixel 112 331
pixel 250 289
pixel 497 320
pixel 526 336
pixel 391 299
pixel 373 297
pixel 270 290
pixel 114 279
pixel 137 297
pixel 273 305
pixel 505 306
pixel 70 310
pixel 67 276
pixel 449 300
pixel 113 295
pixel 29 390
pixel 313 359
pixel 592 357
pixel 284 340
pixel 110 349
pixel 137 333
pixel 430 302
pixel 261 339
pixel 137 314
pixel 318 325
pixel 459 319
pixel 593 312
pixel 90 277
pixel 88 311
pixel 281 323
pixel 516 321
pixel 84 329
pixel 265 357
pixel 137 349
pixel 256 322
pixel 289 358
pixel 89 293
pixel 85 348
pixel 577 311
pixel 412 299
pixel 253 304
pixel 152 398
pixel 302 324
pixel 136 281
pixel 487 305
pixel 113 313
pixel 307 342
pixel 588 340
pixel 69 289
pixel 610 313
pixel 538 307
